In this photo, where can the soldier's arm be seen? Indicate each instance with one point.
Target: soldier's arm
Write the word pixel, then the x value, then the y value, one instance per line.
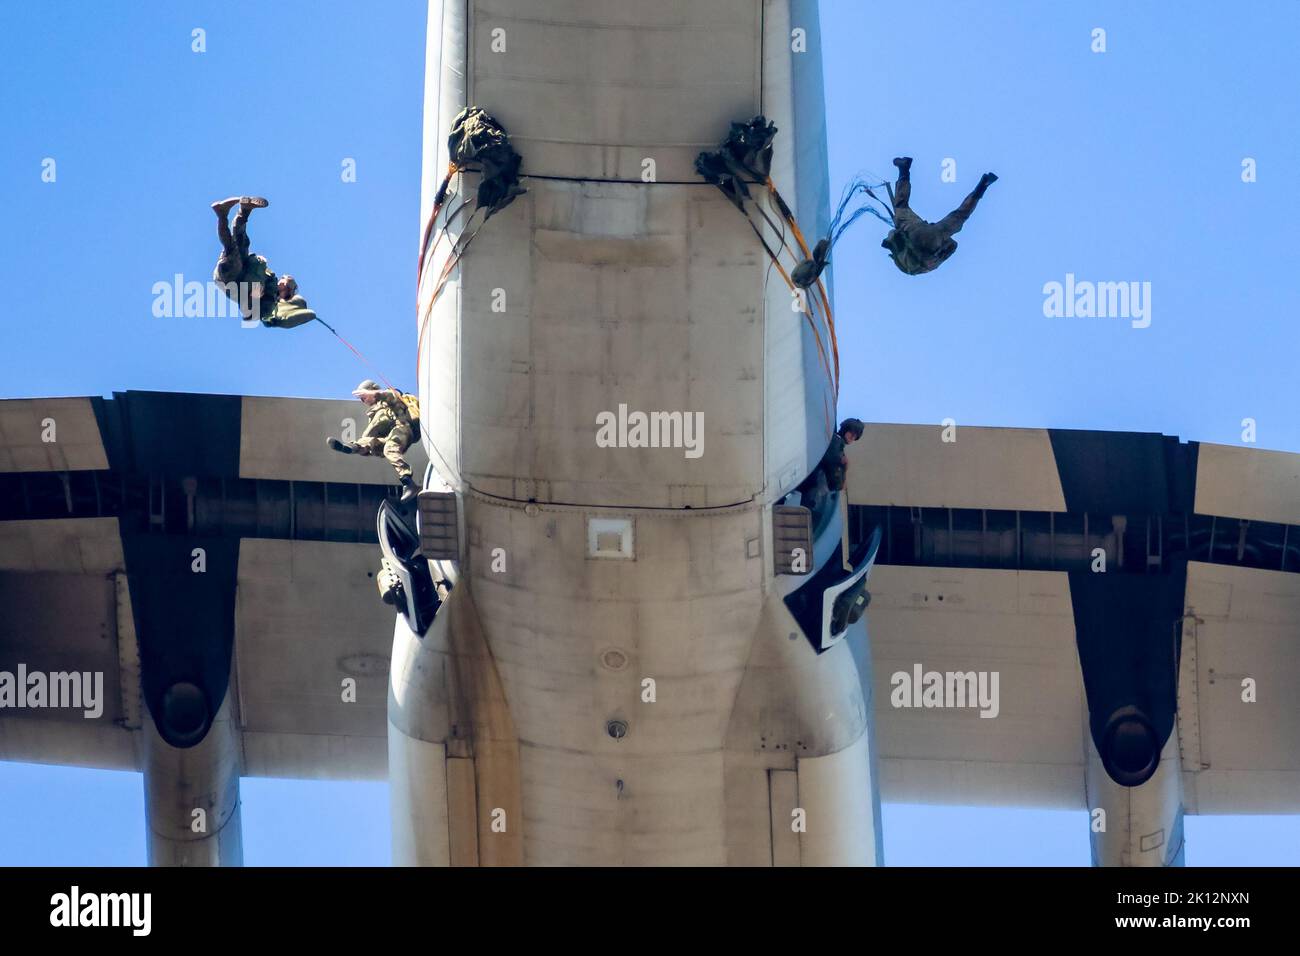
pixel 833 456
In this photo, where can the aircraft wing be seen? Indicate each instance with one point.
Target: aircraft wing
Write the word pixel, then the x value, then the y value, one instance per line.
pixel 982 533
pixel 309 662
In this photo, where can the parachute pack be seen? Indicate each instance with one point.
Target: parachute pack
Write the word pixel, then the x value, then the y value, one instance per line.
pixel 412 403
pixel 477 137
pixel 477 143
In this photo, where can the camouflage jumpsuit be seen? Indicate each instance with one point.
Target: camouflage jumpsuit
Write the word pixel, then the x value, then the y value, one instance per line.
pixel 238 266
pixel 389 432
pixel 917 246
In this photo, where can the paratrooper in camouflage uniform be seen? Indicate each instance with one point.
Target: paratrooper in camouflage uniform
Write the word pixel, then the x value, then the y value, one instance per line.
pixel 917 246
pixel 247 277
pixel 390 430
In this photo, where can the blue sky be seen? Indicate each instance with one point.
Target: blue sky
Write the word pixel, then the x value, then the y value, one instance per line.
pixel 1118 166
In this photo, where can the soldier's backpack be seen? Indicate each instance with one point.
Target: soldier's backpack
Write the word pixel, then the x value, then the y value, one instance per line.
pixel 412 403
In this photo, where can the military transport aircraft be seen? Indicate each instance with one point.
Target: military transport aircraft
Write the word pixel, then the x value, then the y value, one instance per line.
pixel 569 653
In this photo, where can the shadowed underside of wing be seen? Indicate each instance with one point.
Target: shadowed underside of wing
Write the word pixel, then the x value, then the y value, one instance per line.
pixel 984 528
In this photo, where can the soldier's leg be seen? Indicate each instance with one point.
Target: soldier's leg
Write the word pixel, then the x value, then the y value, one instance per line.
pixel 372 440
pixel 246 206
pixel 241 229
pixel 952 223
pixel 399 439
pixel 234 261
pixel 364 446
pixel 222 210
pixel 231 262
pixel 903 188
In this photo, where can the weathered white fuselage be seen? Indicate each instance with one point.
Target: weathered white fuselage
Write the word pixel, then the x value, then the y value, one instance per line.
pixel 615 678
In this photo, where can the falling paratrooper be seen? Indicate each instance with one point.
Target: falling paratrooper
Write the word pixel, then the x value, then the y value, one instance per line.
pixel 918 246
pixel 246 276
pixel 744 158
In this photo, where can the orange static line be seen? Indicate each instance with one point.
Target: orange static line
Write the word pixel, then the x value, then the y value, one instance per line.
pixel 454 257
pixel 433 216
pixel 788 216
pixel 807 312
